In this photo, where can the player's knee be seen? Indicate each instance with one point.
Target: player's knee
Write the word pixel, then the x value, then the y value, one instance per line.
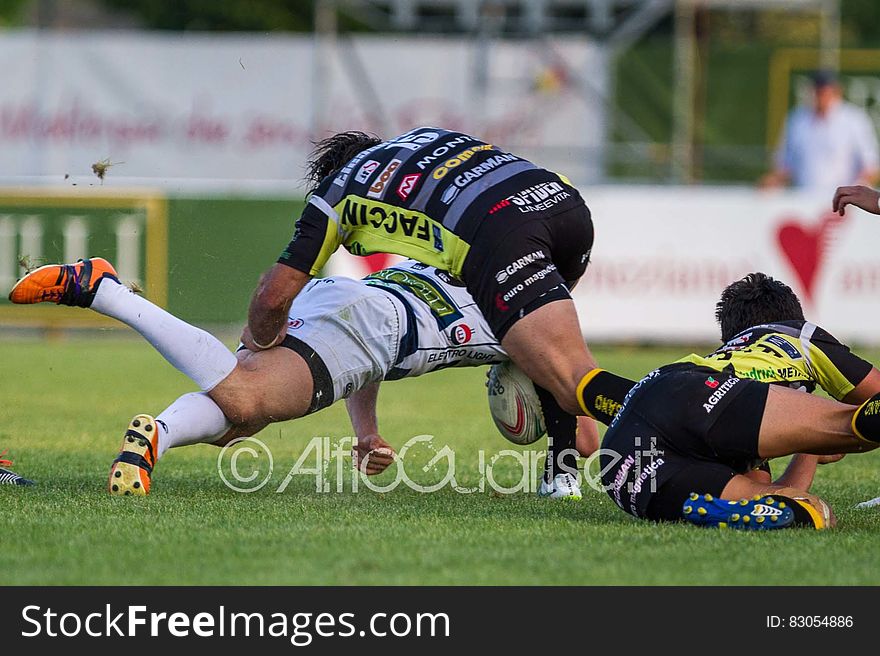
pixel 240 410
pixel 231 434
pixel 239 431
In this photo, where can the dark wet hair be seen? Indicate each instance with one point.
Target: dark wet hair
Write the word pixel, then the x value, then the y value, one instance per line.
pixel 332 153
pixel 754 300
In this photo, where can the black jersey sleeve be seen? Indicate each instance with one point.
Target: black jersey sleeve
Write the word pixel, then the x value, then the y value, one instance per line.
pixel 315 239
pixel 837 369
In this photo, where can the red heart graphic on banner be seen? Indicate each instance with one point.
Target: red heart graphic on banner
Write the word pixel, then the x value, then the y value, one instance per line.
pixel 806 247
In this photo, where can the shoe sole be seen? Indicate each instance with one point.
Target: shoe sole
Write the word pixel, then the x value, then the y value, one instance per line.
pixel 757 514
pixel 29 277
pixel 103 266
pixel 128 478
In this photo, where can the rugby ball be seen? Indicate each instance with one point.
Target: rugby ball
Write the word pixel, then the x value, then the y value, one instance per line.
pixel 514 404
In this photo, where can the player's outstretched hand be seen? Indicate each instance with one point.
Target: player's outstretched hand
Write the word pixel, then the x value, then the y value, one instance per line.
pixel 372 455
pixel 860 196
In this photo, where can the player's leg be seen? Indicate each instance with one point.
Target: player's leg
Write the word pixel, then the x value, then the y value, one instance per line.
pixel 266 387
pixel 548 346
pixel 587 440
pixel 794 422
pixel 809 509
pixel 748 504
pixel 269 386
pixel 518 271
pixel 93 283
pixel 560 479
pixel 738 423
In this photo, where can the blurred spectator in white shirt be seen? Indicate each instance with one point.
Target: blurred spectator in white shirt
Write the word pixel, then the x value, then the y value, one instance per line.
pixel 828 145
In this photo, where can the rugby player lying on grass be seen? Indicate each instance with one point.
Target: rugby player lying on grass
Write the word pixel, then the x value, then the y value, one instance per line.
pixel 692 435
pixel 343 337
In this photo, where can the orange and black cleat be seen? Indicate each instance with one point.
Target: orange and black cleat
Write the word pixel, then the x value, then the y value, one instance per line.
pixel 64 284
pixel 133 468
pixel 9 477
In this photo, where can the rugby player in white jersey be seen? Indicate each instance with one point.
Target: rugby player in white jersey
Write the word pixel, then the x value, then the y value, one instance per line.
pixel 343 338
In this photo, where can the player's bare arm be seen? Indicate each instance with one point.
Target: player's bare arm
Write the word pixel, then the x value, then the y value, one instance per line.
pixel 869 386
pixel 267 314
pixel 774 179
pixel 372 454
pixel 864 197
pixel 868 176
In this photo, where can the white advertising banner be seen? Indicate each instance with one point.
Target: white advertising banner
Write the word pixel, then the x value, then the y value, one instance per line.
pixel 662 256
pixel 231 111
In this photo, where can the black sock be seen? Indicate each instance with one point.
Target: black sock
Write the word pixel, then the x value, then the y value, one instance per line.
pixel 561 434
pixel 601 394
pixel 866 420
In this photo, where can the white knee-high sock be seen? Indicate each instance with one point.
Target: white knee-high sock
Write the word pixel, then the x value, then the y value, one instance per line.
pixel 190 350
pixel 191 419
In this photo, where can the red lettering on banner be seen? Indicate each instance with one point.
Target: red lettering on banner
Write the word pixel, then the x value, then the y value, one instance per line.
pixel 860 279
pixel 202 128
pixel 264 131
pixel 76 123
pixel 664 276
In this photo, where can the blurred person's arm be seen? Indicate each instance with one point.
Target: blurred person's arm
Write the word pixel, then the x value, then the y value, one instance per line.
pixel 774 179
pixel 868 151
pixel 869 176
pixel 780 176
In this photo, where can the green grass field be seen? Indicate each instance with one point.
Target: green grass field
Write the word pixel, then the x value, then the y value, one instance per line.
pixel 64 405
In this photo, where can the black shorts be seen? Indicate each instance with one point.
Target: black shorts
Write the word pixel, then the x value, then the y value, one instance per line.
pixel 683 429
pixel 516 257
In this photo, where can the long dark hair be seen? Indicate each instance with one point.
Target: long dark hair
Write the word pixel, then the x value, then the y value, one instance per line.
pixel 755 300
pixel 332 153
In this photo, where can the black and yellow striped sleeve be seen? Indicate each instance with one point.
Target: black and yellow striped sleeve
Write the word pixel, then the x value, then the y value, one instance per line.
pixel 837 369
pixel 316 238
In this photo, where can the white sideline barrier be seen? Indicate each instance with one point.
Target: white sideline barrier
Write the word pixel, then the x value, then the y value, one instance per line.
pixel 662 255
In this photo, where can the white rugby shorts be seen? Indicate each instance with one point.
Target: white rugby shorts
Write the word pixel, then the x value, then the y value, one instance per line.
pixel 354 328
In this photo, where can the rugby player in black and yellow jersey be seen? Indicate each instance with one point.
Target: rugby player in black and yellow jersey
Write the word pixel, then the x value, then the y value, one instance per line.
pixel 692 437
pixel 518 236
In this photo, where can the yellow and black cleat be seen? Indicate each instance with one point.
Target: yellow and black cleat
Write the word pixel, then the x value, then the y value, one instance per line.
pixel 748 514
pixel 132 470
